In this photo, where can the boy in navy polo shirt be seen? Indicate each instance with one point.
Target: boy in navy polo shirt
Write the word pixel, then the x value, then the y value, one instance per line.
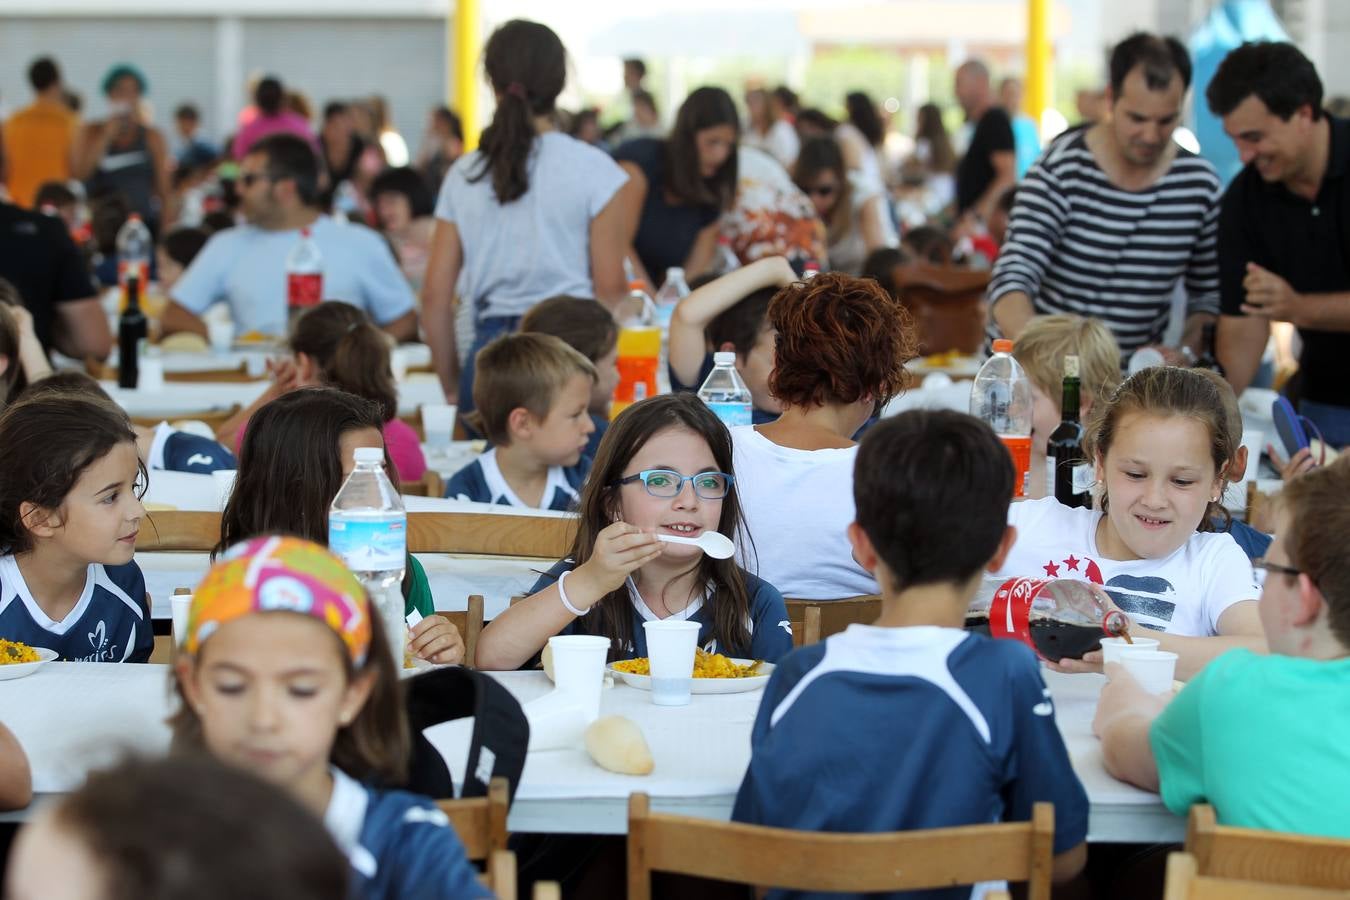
pixel 912 722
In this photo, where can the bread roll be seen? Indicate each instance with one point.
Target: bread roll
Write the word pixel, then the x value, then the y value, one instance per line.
pixel 617 744
pixel 546 660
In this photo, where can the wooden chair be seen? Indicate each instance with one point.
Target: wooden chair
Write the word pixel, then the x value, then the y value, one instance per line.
pixel 814 620
pixel 1248 854
pixel 214 419
pixel 547 890
pixel 470 625
pixel 238 374
pixel 815 861
pixel 179 530
pixel 1185 883
pixel 947 303
pixel 501 874
pixel 480 822
pixel 431 484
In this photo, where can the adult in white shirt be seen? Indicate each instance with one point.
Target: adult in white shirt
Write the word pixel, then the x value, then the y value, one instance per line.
pixel 767 130
pixel 840 355
pixel 528 216
pixel 245 266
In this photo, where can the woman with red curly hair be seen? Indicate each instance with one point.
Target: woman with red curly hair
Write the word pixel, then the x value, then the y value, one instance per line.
pixel 840 355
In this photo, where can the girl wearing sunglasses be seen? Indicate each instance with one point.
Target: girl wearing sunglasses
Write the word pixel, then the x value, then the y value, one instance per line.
pixel 663 468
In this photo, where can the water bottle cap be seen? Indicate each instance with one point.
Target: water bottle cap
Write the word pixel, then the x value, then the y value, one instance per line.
pixel 369 455
pixel 134 217
pixel 304 232
pixel 724 358
pixel 637 284
pixel 1003 345
pixel 673 271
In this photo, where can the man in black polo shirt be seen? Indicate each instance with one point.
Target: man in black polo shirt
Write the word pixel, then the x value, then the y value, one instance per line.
pixel 989 166
pixel 1284 227
pixel 38 257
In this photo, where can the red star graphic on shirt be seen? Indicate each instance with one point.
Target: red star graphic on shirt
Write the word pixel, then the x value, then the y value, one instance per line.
pixel 1052 570
pixel 1072 563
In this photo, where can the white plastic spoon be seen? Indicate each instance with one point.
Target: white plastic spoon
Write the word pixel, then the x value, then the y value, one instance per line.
pixel 713 543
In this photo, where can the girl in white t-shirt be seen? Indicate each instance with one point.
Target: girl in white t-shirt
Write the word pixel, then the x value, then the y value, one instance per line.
pixel 1160 451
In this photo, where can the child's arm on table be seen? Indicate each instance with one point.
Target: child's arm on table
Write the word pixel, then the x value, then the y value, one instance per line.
pixel 688 343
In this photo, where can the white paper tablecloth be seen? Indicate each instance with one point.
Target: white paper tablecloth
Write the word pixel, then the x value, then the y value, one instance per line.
pixel 71 716
pixel 181 398
pixel 452 577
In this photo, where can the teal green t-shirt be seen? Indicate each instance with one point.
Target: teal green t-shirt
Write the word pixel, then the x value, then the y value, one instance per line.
pixel 419 593
pixel 1265 740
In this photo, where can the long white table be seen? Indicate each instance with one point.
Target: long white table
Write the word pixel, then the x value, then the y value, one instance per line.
pixel 70 717
pixel 176 399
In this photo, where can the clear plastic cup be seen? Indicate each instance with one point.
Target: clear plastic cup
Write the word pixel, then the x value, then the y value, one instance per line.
pixel 670 649
pixel 224 479
pixel 1153 669
pixel 579 670
pixel 438 423
pixel 1113 647
pixel 220 335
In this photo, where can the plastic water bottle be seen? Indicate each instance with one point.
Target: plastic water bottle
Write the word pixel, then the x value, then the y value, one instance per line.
pixel 1001 396
pixel 672 292
pixel 725 393
pixel 368 529
pixel 134 247
pixel 304 274
pixel 727 260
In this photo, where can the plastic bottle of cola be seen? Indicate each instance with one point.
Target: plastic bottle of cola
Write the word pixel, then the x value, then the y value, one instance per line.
pixel 1058 618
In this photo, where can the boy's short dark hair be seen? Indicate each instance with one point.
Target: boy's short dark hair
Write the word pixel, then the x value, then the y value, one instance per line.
pixel 520 370
pixel 404 180
pixel 586 326
pixel 1278 74
pixel 187 112
pixel 880 265
pixel 1161 57
pixel 932 489
pixel 290 158
pixel 741 325
pixel 43 73
pixel 183 244
pixel 54 193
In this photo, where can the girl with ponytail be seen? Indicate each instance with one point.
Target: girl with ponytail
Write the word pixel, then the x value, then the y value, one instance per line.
pixel 527 216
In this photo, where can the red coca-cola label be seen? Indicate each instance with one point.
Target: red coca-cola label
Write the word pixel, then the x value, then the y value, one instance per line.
pixel 304 290
pixel 1010 611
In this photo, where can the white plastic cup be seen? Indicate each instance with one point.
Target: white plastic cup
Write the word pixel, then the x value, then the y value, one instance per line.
pixel 179 606
pixel 1153 669
pixel 556 722
pixel 220 335
pixel 224 479
pixel 579 670
pixel 398 363
pixel 151 372
pixel 1145 358
pixel 438 422
pixel 1114 647
pixel 670 650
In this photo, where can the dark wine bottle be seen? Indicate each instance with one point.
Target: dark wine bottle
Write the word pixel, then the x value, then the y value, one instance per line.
pixel 132 328
pixel 1073 475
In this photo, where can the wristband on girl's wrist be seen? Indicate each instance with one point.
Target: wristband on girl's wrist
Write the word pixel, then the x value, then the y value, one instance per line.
pixel 562 595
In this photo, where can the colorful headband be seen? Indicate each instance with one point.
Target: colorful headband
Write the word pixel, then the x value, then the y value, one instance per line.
pixel 281 574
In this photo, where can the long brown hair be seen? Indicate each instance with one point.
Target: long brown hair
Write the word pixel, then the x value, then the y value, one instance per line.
pixel 1167 391
pixel 527 65
pixel 13 380
pixel 941 156
pixel 707 107
pixel 375 747
pixel 351 353
pixel 822 154
pixel 289 470
pixel 635 426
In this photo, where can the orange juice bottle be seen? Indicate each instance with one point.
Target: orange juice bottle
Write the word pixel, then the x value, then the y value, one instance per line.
pixel 639 351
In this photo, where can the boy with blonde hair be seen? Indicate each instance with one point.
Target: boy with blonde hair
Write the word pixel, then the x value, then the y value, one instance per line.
pixel 531 393
pixel 1040 350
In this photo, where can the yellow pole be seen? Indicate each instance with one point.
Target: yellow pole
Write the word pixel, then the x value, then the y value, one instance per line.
pixel 464 51
pixel 1036 96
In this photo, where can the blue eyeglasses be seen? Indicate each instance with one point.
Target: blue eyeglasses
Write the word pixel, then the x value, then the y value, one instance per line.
pixel 667 483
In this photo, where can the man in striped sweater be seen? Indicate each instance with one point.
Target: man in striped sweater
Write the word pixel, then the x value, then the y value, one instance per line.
pixel 1115 216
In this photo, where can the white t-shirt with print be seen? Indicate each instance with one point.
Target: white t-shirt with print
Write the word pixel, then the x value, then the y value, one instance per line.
pixel 1184 593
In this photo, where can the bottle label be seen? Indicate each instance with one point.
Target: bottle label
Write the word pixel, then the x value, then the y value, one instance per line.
pixel 369 545
pixel 304 289
pixel 1083 478
pixel 732 414
pixel 1019 446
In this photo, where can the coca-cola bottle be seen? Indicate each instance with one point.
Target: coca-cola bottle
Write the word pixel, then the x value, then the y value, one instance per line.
pixel 304 275
pixel 1058 618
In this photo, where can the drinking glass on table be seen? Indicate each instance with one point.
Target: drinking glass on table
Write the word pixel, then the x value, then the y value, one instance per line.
pixel 438 422
pixel 670 653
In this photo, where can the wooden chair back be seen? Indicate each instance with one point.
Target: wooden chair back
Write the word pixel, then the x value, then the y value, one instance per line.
pixel 431 484
pixel 1248 854
pixel 947 303
pixel 106 372
pixel 541 537
pixel 501 874
pixel 547 890
pixel 470 625
pixel 480 822
pixel 856 863
pixel 1185 883
pixel 814 620
pixel 213 418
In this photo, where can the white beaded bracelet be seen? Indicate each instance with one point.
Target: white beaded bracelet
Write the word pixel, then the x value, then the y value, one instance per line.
pixel 562 594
